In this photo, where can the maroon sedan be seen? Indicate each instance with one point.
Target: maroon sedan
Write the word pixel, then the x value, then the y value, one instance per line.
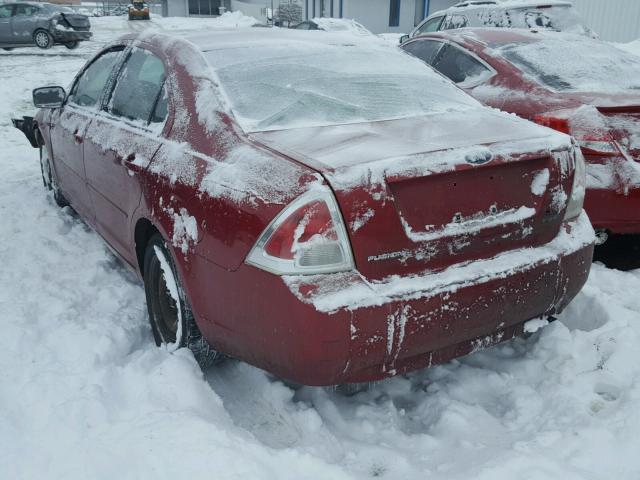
pixel 321 206
pixel 573 84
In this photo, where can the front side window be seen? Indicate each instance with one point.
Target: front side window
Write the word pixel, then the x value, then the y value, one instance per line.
pixel 458 66
pixel 161 109
pixel 138 87
pixel 5 11
pixel 87 90
pixel 430 25
pixel 425 50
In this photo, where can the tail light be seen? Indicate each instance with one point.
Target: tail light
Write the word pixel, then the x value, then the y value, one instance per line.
pixel 594 141
pixel 556 123
pixel 591 142
pixel 576 200
pixel 307 237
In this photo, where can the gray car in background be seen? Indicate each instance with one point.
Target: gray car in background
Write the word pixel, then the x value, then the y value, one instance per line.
pixel 41 24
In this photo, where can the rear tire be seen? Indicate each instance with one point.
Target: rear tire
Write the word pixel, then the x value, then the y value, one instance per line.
pixel 43 39
pixel 8 49
pixel 169 310
pixel 49 178
pixel 72 45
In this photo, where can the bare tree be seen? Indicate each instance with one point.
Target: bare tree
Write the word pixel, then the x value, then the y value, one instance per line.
pixel 289 12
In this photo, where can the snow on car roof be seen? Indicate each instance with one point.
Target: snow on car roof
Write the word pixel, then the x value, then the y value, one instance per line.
pixel 465 6
pixel 341 25
pixel 235 38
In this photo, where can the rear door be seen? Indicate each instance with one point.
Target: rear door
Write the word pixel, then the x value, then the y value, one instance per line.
pixel 121 141
pixel 5 23
pixel 23 23
pixel 69 126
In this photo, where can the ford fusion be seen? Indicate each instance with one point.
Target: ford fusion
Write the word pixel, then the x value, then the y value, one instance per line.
pixel 324 207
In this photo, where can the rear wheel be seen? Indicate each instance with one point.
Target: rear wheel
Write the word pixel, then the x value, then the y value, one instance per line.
pixel 49 178
pixel 72 45
pixel 169 310
pixel 43 39
pixel 8 49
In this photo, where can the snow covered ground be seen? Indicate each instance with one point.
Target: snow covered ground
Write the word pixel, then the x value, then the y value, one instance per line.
pixel 84 393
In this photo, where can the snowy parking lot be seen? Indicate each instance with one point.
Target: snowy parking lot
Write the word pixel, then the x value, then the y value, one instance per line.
pixel 84 392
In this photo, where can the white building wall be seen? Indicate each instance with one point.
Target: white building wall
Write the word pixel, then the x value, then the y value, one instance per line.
pixel 436 5
pixel 256 10
pixel 374 14
pixel 177 8
pixel 613 20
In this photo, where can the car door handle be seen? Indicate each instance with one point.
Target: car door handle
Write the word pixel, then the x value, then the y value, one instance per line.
pixel 128 162
pixel 125 160
pixel 77 138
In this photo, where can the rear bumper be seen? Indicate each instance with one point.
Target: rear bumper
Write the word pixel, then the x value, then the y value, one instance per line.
pixel 331 329
pixel 66 36
pixel 615 211
pixel 613 194
pixel 136 14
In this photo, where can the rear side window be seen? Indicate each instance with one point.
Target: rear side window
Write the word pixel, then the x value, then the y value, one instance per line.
pixel 139 87
pixel 430 25
pixel 26 10
pixel 454 21
pixel 425 50
pixel 87 90
pixel 5 11
pixel 458 66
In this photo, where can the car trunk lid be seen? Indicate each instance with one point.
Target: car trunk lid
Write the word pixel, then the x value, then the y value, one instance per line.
pixel 624 127
pixel 77 21
pixel 425 193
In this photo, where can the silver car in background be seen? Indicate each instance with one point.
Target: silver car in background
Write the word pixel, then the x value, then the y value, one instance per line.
pixel 558 15
pixel 41 24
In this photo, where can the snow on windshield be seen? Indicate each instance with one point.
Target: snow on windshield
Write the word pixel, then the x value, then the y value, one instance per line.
pixel 572 63
pixel 279 87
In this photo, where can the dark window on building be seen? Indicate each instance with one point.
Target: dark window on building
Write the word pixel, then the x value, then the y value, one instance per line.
pixel 204 7
pixel 394 13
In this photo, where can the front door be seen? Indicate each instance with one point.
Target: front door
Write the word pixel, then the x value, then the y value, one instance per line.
pixel 121 141
pixel 5 23
pixel 69 128
pixel 23 23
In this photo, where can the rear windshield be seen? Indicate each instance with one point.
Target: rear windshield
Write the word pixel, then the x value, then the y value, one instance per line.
pixel 278 87
pixel 559 18
pixel 575 64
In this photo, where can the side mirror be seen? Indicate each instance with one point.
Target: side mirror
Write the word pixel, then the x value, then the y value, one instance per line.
pixel 403 39
pixel 48 97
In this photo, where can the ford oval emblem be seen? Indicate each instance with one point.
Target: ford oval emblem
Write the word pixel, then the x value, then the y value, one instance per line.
pixel 478 158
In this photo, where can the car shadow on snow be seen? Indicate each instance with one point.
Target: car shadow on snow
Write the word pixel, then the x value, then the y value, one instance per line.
pixel 621 252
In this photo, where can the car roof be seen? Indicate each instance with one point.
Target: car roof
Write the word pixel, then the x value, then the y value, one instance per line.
pixel 497 37
pixel 285 37
pixel 487 4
